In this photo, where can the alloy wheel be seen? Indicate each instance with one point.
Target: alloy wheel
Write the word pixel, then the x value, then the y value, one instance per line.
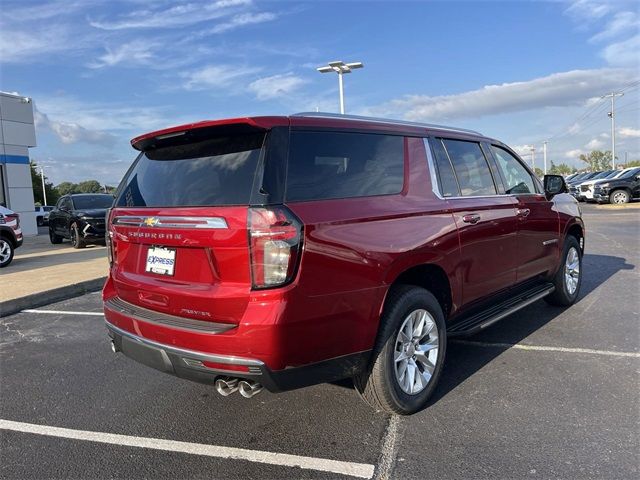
pixel 620 197
pixel 5 251
pixel 572 270
pixel 416 351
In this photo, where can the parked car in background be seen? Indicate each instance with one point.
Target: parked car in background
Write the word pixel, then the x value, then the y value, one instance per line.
pixel 582 187
pixel 619 190
pixel 574 185
pixel 10 235
pixel 586 189
pixel 289 251
pixel 42 214
pixel 80 218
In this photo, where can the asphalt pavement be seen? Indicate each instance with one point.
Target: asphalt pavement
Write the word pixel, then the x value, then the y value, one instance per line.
pixel 546 393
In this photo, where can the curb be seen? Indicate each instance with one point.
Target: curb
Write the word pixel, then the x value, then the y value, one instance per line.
pixel 35 300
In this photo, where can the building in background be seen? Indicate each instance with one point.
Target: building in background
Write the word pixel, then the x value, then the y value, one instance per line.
pixel 17 135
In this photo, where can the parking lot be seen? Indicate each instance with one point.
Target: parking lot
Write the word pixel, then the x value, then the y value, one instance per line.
pixel 546 393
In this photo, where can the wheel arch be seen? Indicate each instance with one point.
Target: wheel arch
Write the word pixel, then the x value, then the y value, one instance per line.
pixel 9 237
pixel 576 229
pixel 431 277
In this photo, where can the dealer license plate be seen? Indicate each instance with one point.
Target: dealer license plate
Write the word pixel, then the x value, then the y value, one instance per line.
pixel 161 260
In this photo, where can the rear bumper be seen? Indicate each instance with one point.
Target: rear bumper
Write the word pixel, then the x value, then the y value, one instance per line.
pixel 206 367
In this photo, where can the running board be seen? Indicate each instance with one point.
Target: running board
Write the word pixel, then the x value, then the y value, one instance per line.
pixel 479 321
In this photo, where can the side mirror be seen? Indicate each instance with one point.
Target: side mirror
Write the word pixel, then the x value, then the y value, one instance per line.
pixel 553 185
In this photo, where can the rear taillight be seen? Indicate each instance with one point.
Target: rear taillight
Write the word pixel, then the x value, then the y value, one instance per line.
pixel 275 241
pixel 11 217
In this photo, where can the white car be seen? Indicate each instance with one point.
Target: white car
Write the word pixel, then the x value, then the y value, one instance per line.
pixel 10 235
pixel 586 189
pixel 42 215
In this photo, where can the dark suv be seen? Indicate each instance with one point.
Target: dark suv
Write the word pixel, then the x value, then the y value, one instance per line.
pixel 288 251
pixel 80 218
pixel 619 190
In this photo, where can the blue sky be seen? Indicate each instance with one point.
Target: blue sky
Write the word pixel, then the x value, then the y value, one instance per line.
pixel 101 72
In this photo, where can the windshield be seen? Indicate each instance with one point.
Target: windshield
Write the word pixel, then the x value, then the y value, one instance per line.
pixel 217 170
pixel 630 173
pixel 603 174
pixel 88 202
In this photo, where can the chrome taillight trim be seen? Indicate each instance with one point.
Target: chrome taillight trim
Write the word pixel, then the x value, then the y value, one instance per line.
pixel 171 222
pixel 182 323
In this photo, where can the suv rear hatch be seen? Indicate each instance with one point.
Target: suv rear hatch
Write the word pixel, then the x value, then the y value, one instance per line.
pixel 181 227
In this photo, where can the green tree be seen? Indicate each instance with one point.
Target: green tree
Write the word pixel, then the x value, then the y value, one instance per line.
pixel 597 160
pixel 65 188
pixel 539 172
pixel 36 183
pixel 90 186
pixel 632 163
pixel 561 169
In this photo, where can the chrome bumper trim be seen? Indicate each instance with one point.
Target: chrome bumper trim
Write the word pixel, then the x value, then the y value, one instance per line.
pixel 190 354
pixel 158 318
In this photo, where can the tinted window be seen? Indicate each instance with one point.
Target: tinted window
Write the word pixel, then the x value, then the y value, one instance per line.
pixel 87 202
pixel 631 173
pixel 517 178
pixel 471 168
pixel 448 183
pixel 213 171
pixel 65 204
pixel 338 165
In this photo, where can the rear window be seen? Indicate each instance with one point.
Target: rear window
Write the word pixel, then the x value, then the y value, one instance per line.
pixel 213 171
pixel 324 165
pixel 87 202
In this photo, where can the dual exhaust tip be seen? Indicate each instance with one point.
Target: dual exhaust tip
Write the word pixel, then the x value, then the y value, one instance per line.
pixel 225 386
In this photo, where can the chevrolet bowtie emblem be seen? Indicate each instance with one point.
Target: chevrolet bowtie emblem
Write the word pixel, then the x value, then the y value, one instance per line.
pixel 151 221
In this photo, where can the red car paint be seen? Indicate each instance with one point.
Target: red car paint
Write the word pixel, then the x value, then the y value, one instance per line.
pixel 353 250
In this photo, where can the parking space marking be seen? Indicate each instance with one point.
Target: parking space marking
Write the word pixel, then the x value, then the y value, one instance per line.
pixel 360 470
pixel 62 312
pixel 542 348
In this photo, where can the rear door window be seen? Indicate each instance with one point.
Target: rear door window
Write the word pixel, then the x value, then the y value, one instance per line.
pixel 214 171
pixel 448 182
pixel 324 165
pixel 471 168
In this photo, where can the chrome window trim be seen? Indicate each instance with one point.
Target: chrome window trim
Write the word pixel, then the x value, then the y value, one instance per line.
pixel 171 222
pixel 182 352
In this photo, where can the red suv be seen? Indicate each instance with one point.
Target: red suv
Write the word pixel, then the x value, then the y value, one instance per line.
pixel 282 252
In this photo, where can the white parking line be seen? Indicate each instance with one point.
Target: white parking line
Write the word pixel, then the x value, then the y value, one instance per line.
pixel 63 312
pixel 541 348
pixel 360 470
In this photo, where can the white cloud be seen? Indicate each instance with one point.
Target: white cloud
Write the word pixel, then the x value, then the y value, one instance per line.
pixel 175 16
pixel 624 53
pixel 594 144
pixel 626 132
pixel 574 154
pixel 558 89
pixel 69 133
pixel 216 76
pixel 275 86
pixel 622 23
pixel 137 52
pixel 21 46
pixel 588 10
pixel 242 20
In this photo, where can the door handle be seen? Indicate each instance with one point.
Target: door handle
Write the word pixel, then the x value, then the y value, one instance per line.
pixel 523 212
pixel 471 218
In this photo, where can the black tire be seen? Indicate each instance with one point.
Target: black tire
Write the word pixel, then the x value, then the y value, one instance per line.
pixel 40 221
pixel 76 239
pixel 562 296
pixel 619 197
pixel 379 385
pixel 6 252
pixel 53 237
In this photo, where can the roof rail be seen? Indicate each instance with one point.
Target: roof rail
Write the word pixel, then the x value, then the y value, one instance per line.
pixel 383 120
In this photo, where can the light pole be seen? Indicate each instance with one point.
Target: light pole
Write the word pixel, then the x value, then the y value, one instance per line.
pixel 340 68
pixel 533 158
pixel 612 115
pixel 44 191
pixel 544 152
